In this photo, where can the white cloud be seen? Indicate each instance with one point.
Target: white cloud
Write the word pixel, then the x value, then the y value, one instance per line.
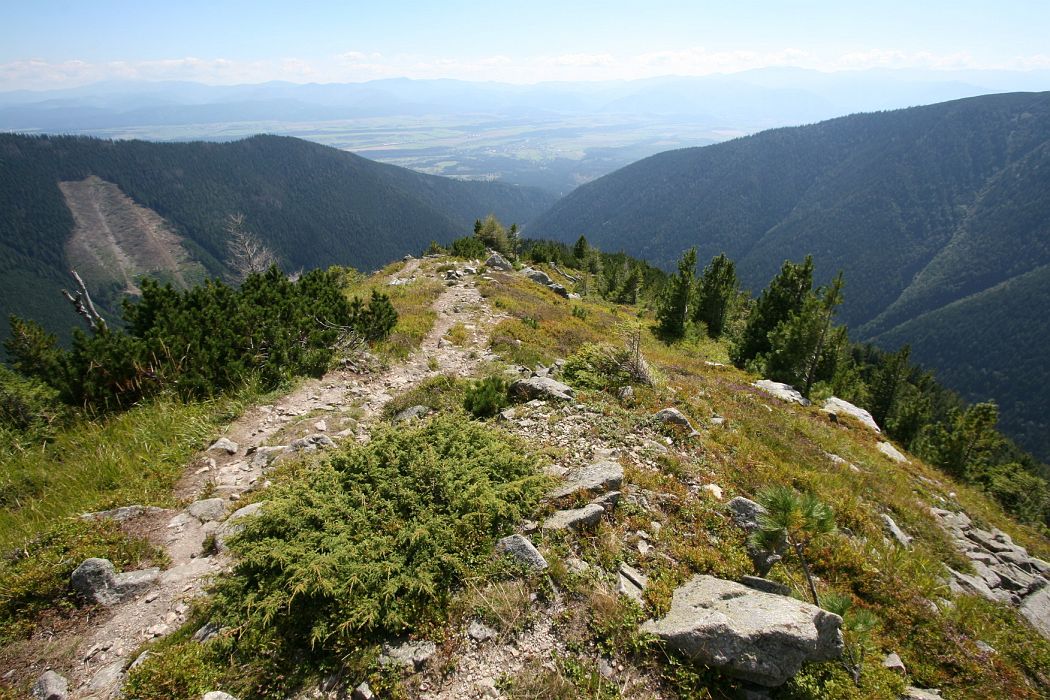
pixel 354 65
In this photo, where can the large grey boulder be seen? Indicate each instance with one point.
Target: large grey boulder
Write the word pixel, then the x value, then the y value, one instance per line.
pixel 538 276
pixel 51 686
pixel 575 519
pixel 784 392
pixel 759 637
pixel 840 407
pixel 597 477
pixel 96 581
pixel 498 262
pixel 522 549
pixel 541 388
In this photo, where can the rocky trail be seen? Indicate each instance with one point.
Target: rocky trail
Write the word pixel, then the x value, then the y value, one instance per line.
pixel 318 413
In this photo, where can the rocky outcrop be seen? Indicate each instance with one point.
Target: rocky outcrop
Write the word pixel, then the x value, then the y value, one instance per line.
pixel 1004 571
pixel 97 581
pixel 835 406
pixel 784 392
pixel 759 637
pixel 541 388
pixel 541 277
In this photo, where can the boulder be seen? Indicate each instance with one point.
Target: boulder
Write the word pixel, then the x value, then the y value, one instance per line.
pixel 784 392
pixel 96 581
pixel 363 692
pixel 479 631
pixel 840 407
pixel 765 585
pixel 672 416
pixel 759 637
pixel 893 662
pixel 207 510
pixel 575 519
pixel 558 289
pixel 538 276
pixel 892 452
pixel 522 549
pixel 597 477
pixel 224 444
pixel 541 388
pixel 498 262
pixel 51 686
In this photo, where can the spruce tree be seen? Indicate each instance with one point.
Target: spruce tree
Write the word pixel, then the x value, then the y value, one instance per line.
pixel 714 294
pixel 673 310
pixel 784 296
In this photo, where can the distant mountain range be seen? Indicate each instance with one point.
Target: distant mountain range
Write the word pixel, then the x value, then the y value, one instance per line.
pixel 554 135
pixel 314 206
pixel 939 216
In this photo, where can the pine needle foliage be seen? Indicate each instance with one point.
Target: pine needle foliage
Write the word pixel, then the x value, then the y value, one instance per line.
pixel 375 540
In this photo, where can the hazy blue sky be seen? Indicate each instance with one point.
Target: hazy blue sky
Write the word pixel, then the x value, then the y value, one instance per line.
pixel 55 43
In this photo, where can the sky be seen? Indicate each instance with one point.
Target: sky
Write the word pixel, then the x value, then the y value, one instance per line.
pixel 48 44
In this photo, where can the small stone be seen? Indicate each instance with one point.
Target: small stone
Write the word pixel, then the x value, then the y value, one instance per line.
pixel 412 655
pixel 218 695
pixel 672 416
pixel 363 692
pixel 321 426
pixel 411 413
pixel 985 647
pixel 206 633
pixel 894 663
pixel 480 632
pixel 574 519
pixel 715 490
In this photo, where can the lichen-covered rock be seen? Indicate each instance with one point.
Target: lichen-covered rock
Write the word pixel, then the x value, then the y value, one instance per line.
pixel 672 416
pixel 522 549
pixel 759 637
pixel 51 686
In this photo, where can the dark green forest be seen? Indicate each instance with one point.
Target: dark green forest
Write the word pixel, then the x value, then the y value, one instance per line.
pixel 313 205
pixel 920 208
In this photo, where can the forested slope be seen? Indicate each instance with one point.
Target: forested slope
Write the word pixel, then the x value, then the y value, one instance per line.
pixel 315 206
pixel 919 207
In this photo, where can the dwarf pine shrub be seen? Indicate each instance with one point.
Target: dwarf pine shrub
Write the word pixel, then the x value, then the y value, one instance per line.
pixel 375 540
pixel 486 397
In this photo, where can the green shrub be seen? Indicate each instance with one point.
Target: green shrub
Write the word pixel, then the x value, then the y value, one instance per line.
pixel 486 397
pixel 185 670
pixel 29 409
pixel 35 577
pixel 376 539
pixel 468 248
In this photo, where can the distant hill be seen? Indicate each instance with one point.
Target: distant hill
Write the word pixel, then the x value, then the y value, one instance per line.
pixel 314 205
pixel 922 208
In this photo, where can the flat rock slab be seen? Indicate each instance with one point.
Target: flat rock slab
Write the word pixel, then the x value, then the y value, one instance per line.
pixel 96 580
pixel 208 509
pixel 759 637
pixel 598 477
pixel 575 519
pixel 1036 609
pixel 841 407
pixel 541 388
pixel 784 392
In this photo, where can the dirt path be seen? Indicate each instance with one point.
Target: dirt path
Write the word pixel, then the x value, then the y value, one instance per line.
pixel 318 407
